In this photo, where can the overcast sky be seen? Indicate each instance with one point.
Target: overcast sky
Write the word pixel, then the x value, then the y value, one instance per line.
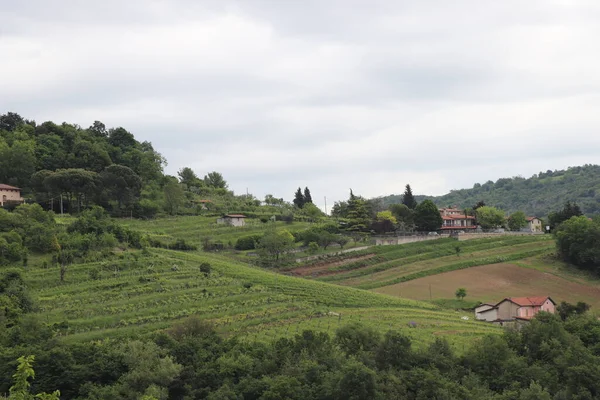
pixel 329 94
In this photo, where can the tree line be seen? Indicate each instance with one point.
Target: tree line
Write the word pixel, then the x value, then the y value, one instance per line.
pixel 546 359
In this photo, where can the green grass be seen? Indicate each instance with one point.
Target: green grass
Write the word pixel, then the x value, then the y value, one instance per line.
pixel 416 257
pixel 194 229
pixel 141 293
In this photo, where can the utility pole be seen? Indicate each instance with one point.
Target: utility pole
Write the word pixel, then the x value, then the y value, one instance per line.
pixel 61 205
pixel 325 205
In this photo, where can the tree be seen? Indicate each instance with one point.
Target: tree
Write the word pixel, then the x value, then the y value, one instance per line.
pixel 479 204
pixel 121 183
pixel 10 121
pixel 489 217
pixel 565 310
pixel 428 217
pixel 384 222
pixel 358 214
pixel 517 221
pixel 20 389
pixel 578 242
pixel 299 198
pixel 408 199
pixel 569 210
pixel 312 211
pixel 404 216
pixel 189 178
pixel 274 245
pixel 215 179
pixel 460 293
pixel 307 196
pixel 174 197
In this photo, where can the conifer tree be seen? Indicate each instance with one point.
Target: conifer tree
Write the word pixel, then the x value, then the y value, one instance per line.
pixel 408 199
pixel 307 196
pixel 299 198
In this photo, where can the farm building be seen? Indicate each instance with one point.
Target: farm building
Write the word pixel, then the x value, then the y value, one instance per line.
pixel 512 308
pixel 534 224
pixel 9 194
pixel 232 219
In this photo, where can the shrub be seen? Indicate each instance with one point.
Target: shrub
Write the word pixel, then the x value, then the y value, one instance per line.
pixel 247 242
pixel 313 247
pixel 205 268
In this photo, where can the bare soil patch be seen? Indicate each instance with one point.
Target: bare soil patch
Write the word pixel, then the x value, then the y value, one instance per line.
pixel 491 283
pixel 321 269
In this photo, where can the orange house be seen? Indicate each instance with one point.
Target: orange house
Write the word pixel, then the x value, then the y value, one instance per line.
pixel 10 194
pixel 455 219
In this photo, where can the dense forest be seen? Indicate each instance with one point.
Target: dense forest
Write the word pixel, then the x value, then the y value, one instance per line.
pixel 538 195
pixel 547 359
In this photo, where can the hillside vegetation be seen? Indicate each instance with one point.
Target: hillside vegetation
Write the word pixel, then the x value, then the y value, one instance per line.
pixel 537 195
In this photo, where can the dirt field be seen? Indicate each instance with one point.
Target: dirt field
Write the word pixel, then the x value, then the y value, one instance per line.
pixel 491 283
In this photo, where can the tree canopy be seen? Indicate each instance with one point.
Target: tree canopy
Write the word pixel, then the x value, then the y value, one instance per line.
pixel 427 216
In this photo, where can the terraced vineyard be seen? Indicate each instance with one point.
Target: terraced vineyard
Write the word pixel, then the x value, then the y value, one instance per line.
pixel 194 229
pixel 388 265
pixel 146 291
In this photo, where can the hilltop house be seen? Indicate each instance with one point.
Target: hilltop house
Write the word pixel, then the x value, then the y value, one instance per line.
pixel 514 308
pixel 456 220
pixel 232 219
pixel 10 194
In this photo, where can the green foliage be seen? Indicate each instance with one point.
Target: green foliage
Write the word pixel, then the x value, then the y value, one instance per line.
pixel 20 389
pixel 215 180
pixel 578 242
pixel 461 293
pixel 569 210
pixel 299 198
pixel 404 216
pixel 517 221
pixel 566 310
pixel 274 246
pixel 307 196
pixel 174 197
pixel 427 217
pixel 538 195
pixel 489 217
pixel 408 199
pixel 247 242
pixel 313 247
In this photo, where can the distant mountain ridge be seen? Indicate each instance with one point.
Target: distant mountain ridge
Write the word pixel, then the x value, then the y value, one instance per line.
pixel 538 195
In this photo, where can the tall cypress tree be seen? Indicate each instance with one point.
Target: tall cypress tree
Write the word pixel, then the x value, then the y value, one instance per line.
pixel 299 198
pixel 408 199
pixel 307 196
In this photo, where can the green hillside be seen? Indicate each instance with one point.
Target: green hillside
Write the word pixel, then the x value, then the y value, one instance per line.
pixel 537 195
pixel 147 291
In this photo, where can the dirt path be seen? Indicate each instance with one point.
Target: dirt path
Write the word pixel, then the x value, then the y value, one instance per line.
pixel 320 269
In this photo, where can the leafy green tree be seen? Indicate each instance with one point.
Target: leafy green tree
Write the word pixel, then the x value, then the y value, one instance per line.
pixel 307 196
pixel 312 211
pixel 569 210
pixel 121 138
pixel 428 217
pixel 489 217
pixel 20 389
pixel 174 197
pixel 404 216
pixel 578 242
pixel 408 199
pixel 10 121
pixel 274 246
pixel 215 180
pixel 517 221
pixel 356 338
pixel 339 209
pixel 122 184
pixel 299 198
pixel 189 178
pixel 460 293
pixel 77 185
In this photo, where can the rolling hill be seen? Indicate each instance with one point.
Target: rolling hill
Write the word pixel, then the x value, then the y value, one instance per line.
pixel 537 195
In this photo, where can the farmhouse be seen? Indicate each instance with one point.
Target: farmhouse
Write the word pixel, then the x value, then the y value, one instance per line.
pixel 10 194
pixel 534 224
pixel 515 308
pixel 456 220
pixel 232 219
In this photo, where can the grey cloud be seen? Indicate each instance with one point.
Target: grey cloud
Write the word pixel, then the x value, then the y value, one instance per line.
pixel 330 95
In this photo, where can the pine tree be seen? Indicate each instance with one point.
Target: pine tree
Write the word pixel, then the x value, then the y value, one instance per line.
pixel 408 199
pixel 299 198
pixel 307 196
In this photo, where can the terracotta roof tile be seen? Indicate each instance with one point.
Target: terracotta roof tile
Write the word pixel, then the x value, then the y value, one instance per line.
pixel 8 187
pixel 529 301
